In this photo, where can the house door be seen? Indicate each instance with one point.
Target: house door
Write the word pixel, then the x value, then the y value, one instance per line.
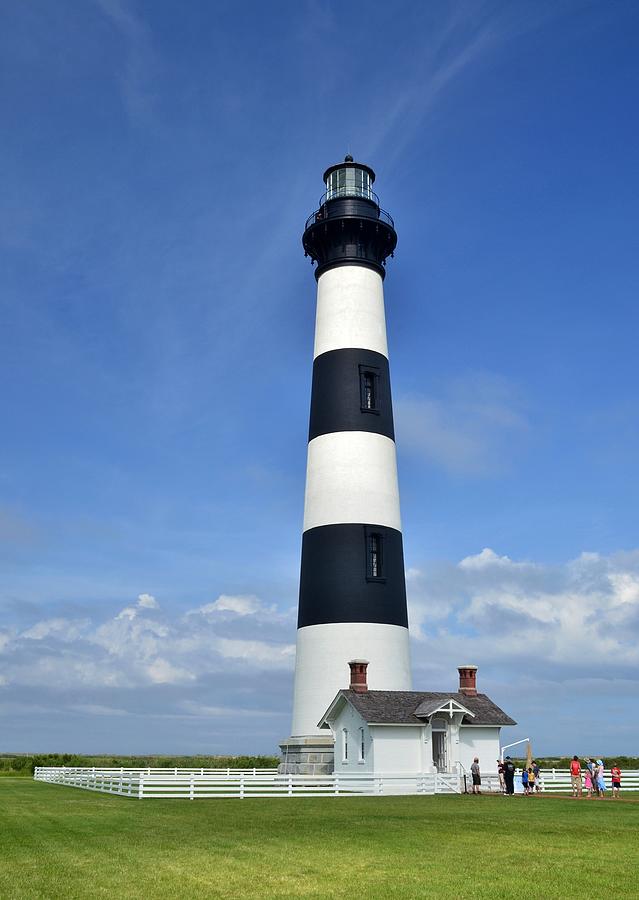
pixel 440 755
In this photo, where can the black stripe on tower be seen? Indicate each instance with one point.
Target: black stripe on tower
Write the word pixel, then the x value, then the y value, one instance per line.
pixel 351 392
pixel 352 573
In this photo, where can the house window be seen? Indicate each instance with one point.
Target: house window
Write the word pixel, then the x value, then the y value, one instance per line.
pixel 362 747
pixel 369 389
pixel 344 745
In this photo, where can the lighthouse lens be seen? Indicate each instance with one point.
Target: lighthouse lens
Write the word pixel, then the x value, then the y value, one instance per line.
pixel 348 182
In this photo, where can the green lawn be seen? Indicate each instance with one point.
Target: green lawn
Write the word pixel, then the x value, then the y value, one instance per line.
pixel 59 842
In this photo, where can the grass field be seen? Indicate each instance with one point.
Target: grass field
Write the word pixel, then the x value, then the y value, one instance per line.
pixel 58 842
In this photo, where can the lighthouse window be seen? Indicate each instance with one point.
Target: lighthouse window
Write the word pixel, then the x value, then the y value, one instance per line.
pixel 369 389
pixel 362 746
pixel 375 556
pixel 344 745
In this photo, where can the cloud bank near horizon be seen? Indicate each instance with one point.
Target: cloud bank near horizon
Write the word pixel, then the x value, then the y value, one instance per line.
pixel 556 646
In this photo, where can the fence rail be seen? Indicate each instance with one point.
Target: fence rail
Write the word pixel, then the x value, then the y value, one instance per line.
pixel 556 781
pixel 192 784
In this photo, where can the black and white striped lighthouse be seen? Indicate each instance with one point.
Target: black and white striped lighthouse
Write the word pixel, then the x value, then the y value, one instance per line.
pixel 352 602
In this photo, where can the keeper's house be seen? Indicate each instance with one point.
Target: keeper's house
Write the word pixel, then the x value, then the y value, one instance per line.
pixel 413 731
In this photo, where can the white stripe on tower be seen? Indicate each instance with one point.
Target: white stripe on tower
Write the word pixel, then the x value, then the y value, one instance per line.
pixel 352 586
pixel 350 310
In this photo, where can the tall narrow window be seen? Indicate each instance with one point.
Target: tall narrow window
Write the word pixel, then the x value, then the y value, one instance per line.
pixel 344 745
pixel 369 389
pixel 362 747
pixel 375 555
pixel 375 566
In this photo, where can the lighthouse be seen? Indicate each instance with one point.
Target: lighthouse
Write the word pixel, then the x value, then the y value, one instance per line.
pixel 352 599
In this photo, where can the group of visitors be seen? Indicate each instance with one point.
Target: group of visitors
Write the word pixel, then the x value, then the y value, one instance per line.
pixel 591 778
pixel 530 777
pixel 506 770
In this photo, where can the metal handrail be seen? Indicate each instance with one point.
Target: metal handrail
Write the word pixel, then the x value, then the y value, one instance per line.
pixel 339 193
pixel 376 214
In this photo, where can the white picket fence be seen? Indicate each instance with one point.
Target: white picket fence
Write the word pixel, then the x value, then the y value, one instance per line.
pixel 243 783
pixel 192 784
pixel 557 781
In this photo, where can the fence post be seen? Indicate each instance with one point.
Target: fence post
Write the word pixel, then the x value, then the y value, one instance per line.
pixel 191 790
pixel 553 775
pixel 241 787
pixel 336 781
pixel 141 787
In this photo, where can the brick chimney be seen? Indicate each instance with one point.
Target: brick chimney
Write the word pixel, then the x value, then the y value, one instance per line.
pixel 468 680
pixel 358 675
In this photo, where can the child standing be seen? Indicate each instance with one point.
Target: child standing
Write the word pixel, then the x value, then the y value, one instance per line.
pixel 531 780
pixel 524 779
pixel 615 774
pixel 588 783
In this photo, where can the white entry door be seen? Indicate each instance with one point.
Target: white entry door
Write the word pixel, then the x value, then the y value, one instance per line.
pixel 440 748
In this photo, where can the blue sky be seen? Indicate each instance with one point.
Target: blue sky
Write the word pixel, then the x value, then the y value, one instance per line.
pixel 159 161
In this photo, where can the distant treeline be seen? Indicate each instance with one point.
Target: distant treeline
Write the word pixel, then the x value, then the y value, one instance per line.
pixel 24 765
pixel 563 762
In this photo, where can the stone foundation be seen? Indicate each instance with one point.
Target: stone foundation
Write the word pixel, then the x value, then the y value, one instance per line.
pixel 307 755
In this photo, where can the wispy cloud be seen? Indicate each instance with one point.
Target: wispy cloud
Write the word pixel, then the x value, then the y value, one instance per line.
pixel 469 428
pixel 449 51
pixel 141 64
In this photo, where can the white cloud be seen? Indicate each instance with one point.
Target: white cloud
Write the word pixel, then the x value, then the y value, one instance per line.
pixel 485 559
pixel 163 672
pixel 240 604
pixel 542 635
pixel 142 646
pixel 256 652
pixel 62 629
pixel 471 428
pixel 579 617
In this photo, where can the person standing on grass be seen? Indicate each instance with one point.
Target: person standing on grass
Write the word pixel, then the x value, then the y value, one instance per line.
pixel 509 776
pixel 575 776
pixel 593 775
pixel 601 784
pixel 474 769
pixel 531 780
pixel 588 783
pixel 537 773
pixel 615 774
pixel 500 772
pixel 524 779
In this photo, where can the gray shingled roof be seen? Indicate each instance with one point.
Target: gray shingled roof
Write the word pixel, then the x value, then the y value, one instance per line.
pixel 398 707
